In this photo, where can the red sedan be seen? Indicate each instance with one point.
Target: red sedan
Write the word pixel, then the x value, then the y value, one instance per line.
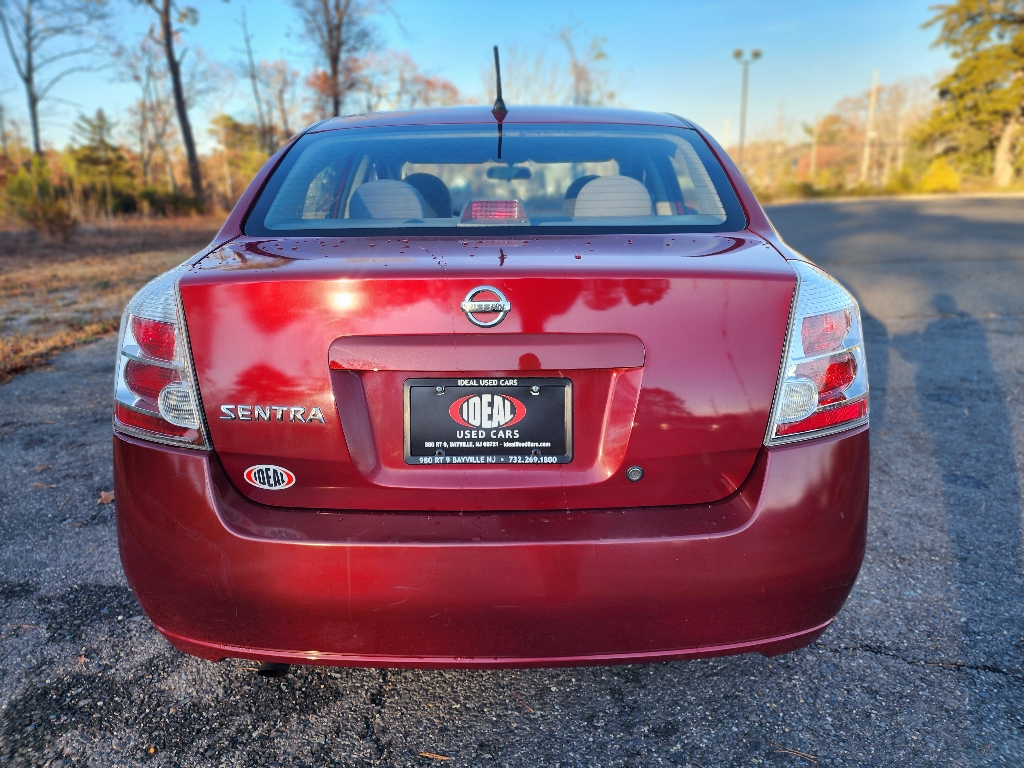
pixel 453 392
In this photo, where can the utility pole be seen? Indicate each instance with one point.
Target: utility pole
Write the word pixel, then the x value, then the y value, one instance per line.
pixel 869 131
pixel 779 144
pixel 900 143
pixel 812 171
pixel 745 62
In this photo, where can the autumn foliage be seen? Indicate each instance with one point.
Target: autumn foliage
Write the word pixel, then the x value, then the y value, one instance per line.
pixel 965 132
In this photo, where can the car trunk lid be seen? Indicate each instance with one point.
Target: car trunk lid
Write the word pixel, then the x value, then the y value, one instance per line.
pixel 304 350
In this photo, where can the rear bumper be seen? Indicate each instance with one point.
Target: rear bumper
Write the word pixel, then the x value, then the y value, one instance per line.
pixel 765 570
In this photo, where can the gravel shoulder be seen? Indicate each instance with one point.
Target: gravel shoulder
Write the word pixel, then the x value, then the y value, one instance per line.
pixel 923 666
pixel 56 296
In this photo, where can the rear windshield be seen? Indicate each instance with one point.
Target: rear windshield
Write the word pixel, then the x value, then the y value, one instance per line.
pixel 547 179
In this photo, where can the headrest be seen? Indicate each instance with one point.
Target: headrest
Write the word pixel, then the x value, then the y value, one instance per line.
pixel 386 199
pixel 569 203
pixel 435 194
pixel 613 196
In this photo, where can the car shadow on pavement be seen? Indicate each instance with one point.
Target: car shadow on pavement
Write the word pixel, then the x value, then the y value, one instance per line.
pixel 963 407
pixel 876 348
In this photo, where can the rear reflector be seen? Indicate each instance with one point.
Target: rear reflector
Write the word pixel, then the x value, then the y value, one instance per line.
pixel 152 423
pixel 827 417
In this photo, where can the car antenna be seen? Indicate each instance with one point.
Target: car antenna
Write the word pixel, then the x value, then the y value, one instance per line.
pixel 499 110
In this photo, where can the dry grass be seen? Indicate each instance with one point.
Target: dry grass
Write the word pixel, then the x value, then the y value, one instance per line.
pixel 55 296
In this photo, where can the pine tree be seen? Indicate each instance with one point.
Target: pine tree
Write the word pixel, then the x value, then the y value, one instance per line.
pixel 100 165
pixel 981 104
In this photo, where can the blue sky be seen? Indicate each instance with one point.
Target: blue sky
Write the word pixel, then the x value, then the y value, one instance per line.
pixel 664 56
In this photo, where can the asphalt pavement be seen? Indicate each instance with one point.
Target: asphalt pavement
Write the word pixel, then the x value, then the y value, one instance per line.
pixel 923 666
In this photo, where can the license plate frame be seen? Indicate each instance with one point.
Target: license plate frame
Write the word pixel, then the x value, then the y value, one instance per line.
pixel 433 437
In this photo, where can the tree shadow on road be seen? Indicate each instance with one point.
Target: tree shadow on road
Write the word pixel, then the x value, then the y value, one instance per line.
pixel 963 407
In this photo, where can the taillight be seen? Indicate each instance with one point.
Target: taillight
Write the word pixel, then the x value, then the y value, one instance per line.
pixel 155 397
pixel 825 332
pixel 155 338
pixel 146 381
pixel 823 384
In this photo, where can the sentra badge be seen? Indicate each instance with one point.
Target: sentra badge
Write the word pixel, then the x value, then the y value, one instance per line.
pixel 291 413
pixel 269 477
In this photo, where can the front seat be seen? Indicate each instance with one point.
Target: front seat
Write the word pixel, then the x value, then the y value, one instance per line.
pixel 435 194
pixel 613 196
pixel 386 199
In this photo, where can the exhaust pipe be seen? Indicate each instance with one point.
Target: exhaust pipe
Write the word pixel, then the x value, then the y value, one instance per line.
pixel 273 669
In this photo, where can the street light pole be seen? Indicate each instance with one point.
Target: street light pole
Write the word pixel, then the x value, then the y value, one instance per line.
pixel 745 62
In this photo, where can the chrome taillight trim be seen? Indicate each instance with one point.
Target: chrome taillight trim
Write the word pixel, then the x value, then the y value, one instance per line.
pixel 190 367
pixel 133 352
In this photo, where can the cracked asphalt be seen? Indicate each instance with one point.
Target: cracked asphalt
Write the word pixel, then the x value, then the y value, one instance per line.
pixel 922 667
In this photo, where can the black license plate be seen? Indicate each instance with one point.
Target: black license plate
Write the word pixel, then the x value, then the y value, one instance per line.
pixel 488 421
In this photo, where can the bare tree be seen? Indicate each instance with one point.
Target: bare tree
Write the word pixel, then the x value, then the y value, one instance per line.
pixel 901 105
pixel 279 81
pixel 526 78
pixel 138 132
pixel 341 31
pixel 47 42
pixel 587 73
pixel 139 68
pixel 170 13
pixel 393 80
pixel 162 116
pixel 264 110
pixel 530 77
pixel 152 116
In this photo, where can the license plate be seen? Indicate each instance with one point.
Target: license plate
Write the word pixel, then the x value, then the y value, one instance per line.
pixel 488 421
